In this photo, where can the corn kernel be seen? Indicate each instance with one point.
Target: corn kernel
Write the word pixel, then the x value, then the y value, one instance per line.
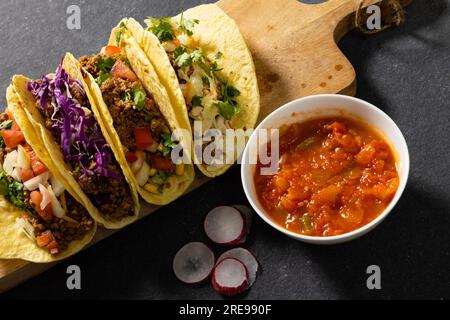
pixel 179 169
pixel 152 188
pixel 153 172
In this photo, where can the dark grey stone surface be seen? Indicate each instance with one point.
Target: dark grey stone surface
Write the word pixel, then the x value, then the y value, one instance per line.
pixel 404 71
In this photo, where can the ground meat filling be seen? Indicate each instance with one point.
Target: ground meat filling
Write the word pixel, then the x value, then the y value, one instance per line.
pixel 63 231
pixel 123 112
pixel 125 116
pixel 112 197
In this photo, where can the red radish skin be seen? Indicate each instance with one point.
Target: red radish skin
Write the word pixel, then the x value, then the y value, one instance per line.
pixel 230 277
pixel 247 213
pixel 247 258
pixel 225 226
pixel 193 263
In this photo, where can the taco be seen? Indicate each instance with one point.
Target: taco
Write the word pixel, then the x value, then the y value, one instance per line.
pixel 137 111
pixel 41 217
pixel 203 61
pixel 60 108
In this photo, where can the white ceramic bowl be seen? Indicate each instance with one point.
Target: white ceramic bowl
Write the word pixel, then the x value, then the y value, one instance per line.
pixel 322 106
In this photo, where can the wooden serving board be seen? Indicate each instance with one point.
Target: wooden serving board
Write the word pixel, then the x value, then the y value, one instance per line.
pixel 296 55
pixel 294 46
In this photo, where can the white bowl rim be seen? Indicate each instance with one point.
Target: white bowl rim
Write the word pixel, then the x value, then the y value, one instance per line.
pixel 352 234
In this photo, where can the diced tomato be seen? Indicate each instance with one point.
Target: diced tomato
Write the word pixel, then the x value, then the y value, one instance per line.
pixel 36 199
pixel 161 163
pixel 366 155
pixel 121 70
pixel 13 136
pixel 336 127
pixel 112 50
pixel 327 195
pixel 36 163
pixel 38 167
pixel 131 157
pixel 53 248
pixel 26 174
pixel 143 138
pixel 44 239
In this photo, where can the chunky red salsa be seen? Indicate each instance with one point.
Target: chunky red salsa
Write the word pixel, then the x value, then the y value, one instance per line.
pixel 335 175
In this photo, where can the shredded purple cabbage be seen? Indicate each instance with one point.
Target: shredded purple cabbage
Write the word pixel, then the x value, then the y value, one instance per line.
pixel 82 142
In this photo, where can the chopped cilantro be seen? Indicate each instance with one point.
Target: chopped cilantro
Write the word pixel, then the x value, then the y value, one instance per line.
pixel 206 81
pixel 219 55
pixel 162 174
pixel 178 52
pixel 229 92
pixel 184 60
pixel 228 107
pixel 104 65
pixel 4 187
pixel 197 55
pixel 7 124
pixel 196 101
pixel 149 115
pixel 167 143
pixel 16 194
pixel 162 29
pixel 12 190
pixel 122 28
pixel 186 25
pixel 125 96
pixel 139 97
pixel 160 178
pixel 214 67
pixel 102 78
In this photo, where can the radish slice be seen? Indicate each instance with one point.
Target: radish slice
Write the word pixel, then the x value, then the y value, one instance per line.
pixel 230 277
pixel 248 217
pixel 248 214
pixel 193 263
pixel 247 258
pixel 225 226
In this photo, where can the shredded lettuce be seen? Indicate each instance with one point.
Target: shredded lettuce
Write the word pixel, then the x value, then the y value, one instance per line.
pixel 77 131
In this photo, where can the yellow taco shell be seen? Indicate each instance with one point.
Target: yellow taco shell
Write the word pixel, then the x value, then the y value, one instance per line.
pixel 216 32
pixel 175 186
pixel 73 68
pixel 15 244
